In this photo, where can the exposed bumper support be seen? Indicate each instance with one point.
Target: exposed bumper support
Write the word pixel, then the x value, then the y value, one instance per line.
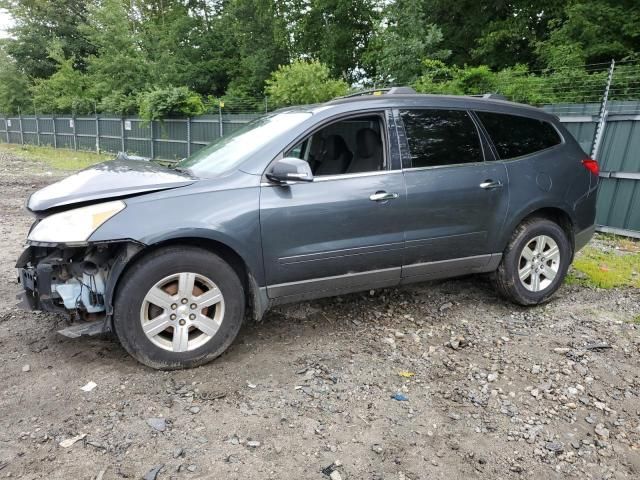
pixel 75 282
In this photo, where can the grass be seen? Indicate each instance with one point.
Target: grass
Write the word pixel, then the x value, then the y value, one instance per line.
pixel 609 262
pixel 57 159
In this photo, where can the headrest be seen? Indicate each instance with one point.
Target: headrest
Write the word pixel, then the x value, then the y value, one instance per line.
pixel 367 142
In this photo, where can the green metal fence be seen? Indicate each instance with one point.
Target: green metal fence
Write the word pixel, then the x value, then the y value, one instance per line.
pixel 171 139
pixel 618 155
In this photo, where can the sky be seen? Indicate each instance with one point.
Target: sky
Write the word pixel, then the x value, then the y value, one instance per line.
pixel 5 22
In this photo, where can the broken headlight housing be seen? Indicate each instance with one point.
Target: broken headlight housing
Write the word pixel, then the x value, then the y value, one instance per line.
pixel 76 225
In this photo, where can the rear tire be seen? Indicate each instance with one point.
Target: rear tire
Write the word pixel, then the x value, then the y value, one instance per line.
pixel 178 307
pixel 534 263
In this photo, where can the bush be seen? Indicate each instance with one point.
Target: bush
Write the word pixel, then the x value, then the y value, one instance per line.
pixel 516 83
pixel 303 82
pixel 119 103
pixel 169 102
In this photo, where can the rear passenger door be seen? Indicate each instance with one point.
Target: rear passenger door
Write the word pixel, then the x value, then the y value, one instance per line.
pixel 456 201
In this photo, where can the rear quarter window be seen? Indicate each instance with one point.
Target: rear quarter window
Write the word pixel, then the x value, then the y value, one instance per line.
pixel 515 136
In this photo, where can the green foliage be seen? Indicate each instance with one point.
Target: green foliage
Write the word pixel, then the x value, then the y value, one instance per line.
pixel 258 40
pixel 67 90
pixel 14 86
pixel 114 55
pixel 516 83
pixel 170 102
pixel 303 82
pixel 593 31
pixel 41 23
pixel 335 32
pixel 118 71
pixel 402 41
pixel 606 269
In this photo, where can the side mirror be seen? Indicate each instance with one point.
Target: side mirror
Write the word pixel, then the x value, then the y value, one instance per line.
pixel 290 170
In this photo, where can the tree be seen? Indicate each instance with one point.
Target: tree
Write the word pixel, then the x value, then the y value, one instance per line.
pixel 14 86
pixel 593 31
pixel 67 90
pixel 403 40
pixel 40 23
pixel 119 70
pixel 495 33
pixel 303 82
pixel 336 32
pixel 259 39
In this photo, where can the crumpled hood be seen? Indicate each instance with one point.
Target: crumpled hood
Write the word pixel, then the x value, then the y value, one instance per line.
pixel 109 180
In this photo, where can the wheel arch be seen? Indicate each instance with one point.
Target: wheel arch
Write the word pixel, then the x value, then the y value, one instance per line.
pixel 559 214
pixel 257 301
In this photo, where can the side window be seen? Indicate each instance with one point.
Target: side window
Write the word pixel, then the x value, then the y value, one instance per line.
pixel 441 137
pixel 515 136
pixel 354 145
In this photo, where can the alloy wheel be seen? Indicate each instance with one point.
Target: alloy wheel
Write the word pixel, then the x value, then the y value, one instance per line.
pixel 182 312
pixel 539 263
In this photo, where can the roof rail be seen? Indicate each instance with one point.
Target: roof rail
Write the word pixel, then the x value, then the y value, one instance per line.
pixel 490 96
pixel 382 91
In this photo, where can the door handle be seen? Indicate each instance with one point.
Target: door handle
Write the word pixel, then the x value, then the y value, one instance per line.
pixel 382 196
pixel 491 184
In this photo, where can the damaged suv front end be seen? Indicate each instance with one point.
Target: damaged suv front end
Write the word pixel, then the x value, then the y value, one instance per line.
pixel 74 281
pixel 61 269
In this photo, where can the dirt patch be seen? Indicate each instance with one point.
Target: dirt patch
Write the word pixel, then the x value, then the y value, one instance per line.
pixel 440 380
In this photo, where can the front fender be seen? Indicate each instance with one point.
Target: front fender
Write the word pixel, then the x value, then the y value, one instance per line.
pixel 230 217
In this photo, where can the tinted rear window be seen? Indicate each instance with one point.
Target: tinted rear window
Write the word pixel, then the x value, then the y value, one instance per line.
pixel 515 136
pixel 441 137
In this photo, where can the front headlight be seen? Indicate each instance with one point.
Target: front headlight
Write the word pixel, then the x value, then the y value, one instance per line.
pixel 74 226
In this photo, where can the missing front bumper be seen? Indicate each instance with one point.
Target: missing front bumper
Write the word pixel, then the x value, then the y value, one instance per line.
pixel 75 282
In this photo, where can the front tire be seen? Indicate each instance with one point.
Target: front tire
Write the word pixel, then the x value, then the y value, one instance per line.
pixel 178 307
pixel 534 263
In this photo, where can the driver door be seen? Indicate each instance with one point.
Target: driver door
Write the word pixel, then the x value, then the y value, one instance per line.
pixel 343 231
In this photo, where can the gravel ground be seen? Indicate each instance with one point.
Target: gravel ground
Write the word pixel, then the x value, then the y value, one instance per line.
pixel 483 388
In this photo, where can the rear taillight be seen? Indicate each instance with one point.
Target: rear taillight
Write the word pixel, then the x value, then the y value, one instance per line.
pixel 591 165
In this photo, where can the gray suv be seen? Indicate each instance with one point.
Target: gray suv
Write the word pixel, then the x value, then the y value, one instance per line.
pixel 366 192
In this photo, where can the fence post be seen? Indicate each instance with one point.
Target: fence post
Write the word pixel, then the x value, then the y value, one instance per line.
pixel 97 133
pixel 20 124
pixel 220 119
pixel 55 134
pixel 6 127
pixel 602 115
pixel 75 136
pixel 37 127
pixel 188 136
pixel 122 133
pixel 266 105
pixel 153 155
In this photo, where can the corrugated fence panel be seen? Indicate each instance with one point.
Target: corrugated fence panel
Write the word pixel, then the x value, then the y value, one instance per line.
pixel 619 198
pixel 46 131
pixel 86 133
pixel 170 139
pixel 110 134
pixel 13 127
pixel 29 130
pixel 137 135
pixel 583 132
